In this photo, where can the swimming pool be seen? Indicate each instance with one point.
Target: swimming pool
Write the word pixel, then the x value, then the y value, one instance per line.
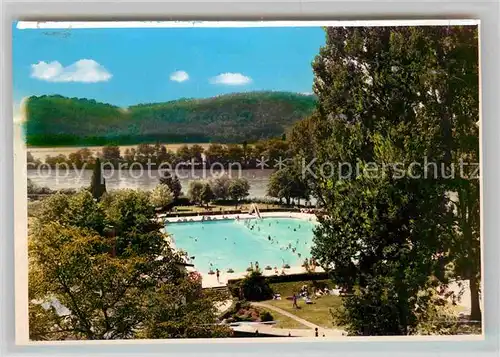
pixel 234 244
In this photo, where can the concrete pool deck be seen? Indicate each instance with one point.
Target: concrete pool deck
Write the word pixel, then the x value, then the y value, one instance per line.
pixel 210 281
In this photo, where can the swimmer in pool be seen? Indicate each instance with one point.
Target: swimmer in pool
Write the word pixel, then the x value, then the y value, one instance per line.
pixel 268 237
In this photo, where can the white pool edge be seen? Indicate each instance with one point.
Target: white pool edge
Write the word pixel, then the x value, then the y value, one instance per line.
pixel 210 280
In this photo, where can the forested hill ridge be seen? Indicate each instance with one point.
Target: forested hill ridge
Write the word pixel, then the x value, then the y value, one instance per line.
pixel 233 118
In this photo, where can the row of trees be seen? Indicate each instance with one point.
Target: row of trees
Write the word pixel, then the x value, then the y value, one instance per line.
pixel 396 95
pixel 222 188
pixel 247 155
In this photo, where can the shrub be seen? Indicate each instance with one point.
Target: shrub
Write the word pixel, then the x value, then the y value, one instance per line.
pixel 161 196
pixel 182 201
pixel 255 287
pixel 266 316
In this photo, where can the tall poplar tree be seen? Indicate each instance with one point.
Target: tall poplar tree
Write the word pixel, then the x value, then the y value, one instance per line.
pixel 97 182
pixel 397 108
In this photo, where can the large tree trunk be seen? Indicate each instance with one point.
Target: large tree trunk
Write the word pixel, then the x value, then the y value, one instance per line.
pixel 475 306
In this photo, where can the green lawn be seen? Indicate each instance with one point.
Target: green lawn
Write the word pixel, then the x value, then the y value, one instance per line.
pixel 318 313
pixel 283 321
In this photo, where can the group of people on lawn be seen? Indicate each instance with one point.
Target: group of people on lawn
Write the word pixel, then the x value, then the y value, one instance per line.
pixel 304 294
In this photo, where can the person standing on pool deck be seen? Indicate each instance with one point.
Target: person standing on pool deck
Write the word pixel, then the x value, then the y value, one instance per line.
pixel 217 273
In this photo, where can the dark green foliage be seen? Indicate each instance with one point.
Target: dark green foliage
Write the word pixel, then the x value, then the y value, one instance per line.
pixel 238 189
pixel 57 121
pixel 288 183
pixel 266 316
pixel 109 264
pixel 254 287
pixel 173 183
pixel 195 191
pixel 389 96
pixel 97 183
pixel 206 194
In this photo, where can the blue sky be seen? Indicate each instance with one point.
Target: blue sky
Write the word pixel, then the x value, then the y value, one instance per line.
pixel 130 66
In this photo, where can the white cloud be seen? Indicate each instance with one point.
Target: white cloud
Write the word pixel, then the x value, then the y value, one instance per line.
pixel 231 79
pixel 84 70
pixel 179 76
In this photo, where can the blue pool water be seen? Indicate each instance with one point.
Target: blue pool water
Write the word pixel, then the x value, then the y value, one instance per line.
pixel 234 244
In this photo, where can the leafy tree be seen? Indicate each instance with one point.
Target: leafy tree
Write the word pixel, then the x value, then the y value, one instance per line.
pixel 111 153
pixel 197 152
pixel 33 163
pixel 196 188
pixel 29 157
pixel 206 194
pixel 254 287
pixel 287 183
pixel 145 153
pixel 304 137
pixel 246 152
pixel 276 149
pixel 385 97
pixel 75 158
pixel 90 282
pixel 97 182
pixel 172 182
pixel 235 153
pixel 238 189
pixel 129 155
pixel 131 220
pixel 457 80
pixel 161 196
pixel 220 187
pixel 184 153
pixel 216 153
pixel 54 161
